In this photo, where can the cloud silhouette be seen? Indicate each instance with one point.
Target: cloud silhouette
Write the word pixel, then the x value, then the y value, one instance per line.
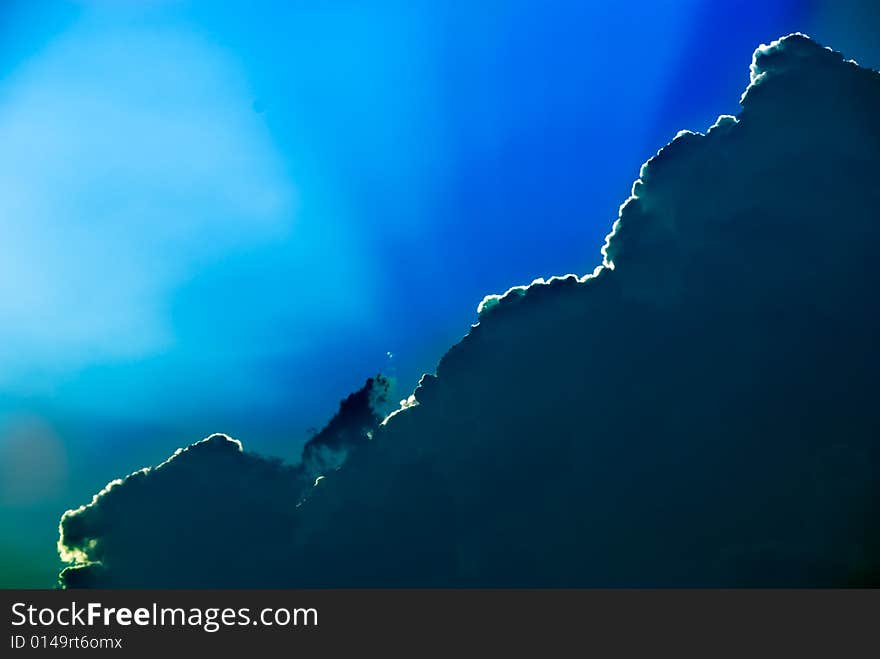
pixel 698 411
pixel 210 514
pixel 355 422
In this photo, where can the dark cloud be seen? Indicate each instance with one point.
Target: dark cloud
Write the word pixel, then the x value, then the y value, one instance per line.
pixel 211 514
pixel 698 411
pixel 357 419
pixel 192 521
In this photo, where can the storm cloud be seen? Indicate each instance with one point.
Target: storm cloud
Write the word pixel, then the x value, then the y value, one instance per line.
pixel 698 411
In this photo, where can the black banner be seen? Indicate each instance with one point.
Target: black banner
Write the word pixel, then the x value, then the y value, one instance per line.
pixel 461 622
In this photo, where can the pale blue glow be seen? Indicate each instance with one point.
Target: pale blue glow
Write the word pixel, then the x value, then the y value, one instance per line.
pixel 130 156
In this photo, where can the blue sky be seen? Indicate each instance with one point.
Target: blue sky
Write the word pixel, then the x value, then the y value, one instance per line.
pixel 218 217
